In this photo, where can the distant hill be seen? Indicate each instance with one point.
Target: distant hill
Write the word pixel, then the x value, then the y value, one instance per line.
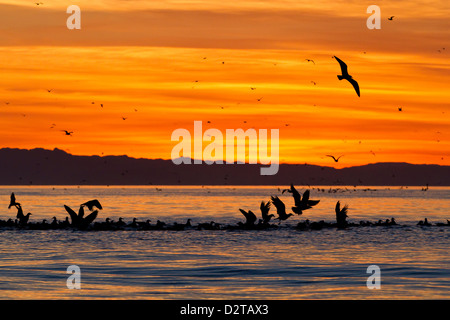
pixel 57 167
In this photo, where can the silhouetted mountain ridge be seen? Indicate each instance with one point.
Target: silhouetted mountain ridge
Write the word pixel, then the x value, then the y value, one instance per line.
pixel 57 167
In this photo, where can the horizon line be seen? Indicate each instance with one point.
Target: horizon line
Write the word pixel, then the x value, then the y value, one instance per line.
pixel 224 162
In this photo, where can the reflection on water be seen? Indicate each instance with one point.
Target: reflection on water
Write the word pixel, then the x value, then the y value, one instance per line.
pixel 272 264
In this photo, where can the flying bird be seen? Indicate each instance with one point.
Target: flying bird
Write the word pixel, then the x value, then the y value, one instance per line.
pixel 301 203
pixel 13 202
pixel 68 133
pixel 400 109
pixel 391 18
pixel 265 207
pixel 310 60
pixel 346 76
pixel 281 209
pixel 335 160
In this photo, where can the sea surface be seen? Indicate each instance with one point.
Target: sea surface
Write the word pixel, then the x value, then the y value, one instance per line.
pixel 282 263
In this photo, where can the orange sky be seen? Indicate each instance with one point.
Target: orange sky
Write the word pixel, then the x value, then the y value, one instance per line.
pixel 146 55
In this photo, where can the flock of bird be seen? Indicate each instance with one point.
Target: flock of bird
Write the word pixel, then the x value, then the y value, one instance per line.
pixel 79 221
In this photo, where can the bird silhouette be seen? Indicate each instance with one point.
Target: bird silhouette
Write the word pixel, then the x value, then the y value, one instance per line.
pixel 391 18
pixel 301 204
pixel 346 76
pixel 341 215
pixel 250 217
pixel 13 202
pixel 400 109
pixel 265 207
pixel 310 60
pixel 281 209
pixel 68 133
pixel 23 219
pixel 335 160
pixel 78 220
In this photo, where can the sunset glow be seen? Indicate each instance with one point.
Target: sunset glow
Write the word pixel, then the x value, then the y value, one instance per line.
pixel 162 65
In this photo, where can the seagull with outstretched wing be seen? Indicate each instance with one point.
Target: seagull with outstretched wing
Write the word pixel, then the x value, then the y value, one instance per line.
pixel 67 133
pixel 335 159
pixel 346 76
pixel 250 217
pixel 306 202
pixel 301 204
pixel 265 207
pixel 281 209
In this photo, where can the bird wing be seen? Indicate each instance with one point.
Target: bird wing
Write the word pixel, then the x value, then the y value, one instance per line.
pixel 338 208
pixel 73 215
pixel 265 207
pixel 13 200
pixel 305 198
pixel 355 85
pixel 19 215
pixel 281 208
pixel 343 66
pixel 344 211
pixel 313 202
pixel 251 217
pixel 244 213
pixel 91 217
pixel 93 203
pixel 296 195
pixel 328 155
pixel 81 213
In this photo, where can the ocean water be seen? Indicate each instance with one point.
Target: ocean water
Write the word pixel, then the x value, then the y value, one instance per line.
pixel 282 263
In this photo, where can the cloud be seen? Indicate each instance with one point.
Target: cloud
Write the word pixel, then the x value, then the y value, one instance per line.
pixel 259 29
